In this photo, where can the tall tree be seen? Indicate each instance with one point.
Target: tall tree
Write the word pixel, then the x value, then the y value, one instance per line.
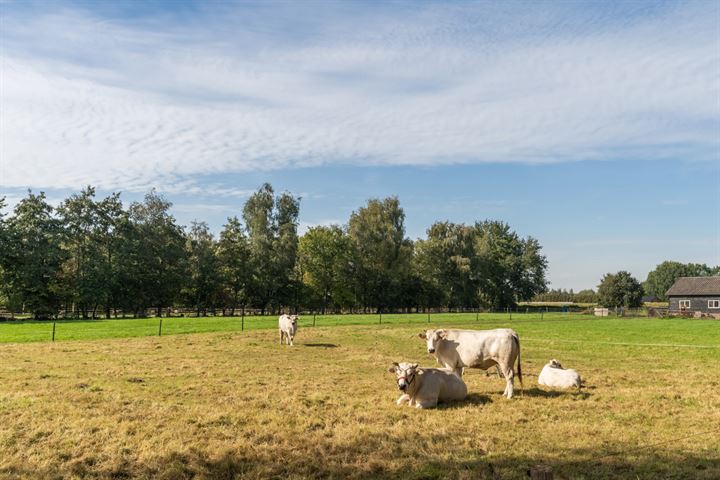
pixel 155 251
pixel 272 230
pixel 660 280
pixel 233 252
pixel 203 286
pixel 33 264
pixel 324 253
pixel 381 254
pixel 619 290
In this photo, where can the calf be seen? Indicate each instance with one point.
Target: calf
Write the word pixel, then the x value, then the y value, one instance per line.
pixel 554 375
pixel 287 325
pixel 425 387
pixel 460 349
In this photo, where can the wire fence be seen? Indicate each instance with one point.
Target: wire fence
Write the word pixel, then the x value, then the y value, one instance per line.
pixel 21 331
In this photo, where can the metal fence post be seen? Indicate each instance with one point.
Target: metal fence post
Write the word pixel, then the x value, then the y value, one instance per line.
pixel 242 321
pixel 428 317
pixel 314 318
pixel 160 328
pixel 53 333
pixel 380 318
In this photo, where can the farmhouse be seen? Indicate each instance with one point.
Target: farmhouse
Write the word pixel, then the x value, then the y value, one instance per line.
pixel 695 294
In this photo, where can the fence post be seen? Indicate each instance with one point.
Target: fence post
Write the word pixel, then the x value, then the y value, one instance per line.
pixel 314 318
pixel 242 321
pixel 510 312
pixel 53 333
pixel 160 328
pixel 428 317
pixel 477 315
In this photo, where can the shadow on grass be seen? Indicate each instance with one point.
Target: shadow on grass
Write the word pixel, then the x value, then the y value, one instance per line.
pixel 321 345
pixel 358 459
pixel 537 392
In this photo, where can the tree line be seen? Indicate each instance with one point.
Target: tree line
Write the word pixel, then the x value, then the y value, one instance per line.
pixel 91 257
pixel 621 289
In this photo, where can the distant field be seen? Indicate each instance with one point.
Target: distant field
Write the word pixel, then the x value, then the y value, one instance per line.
pixel 41 331
pixel 237 405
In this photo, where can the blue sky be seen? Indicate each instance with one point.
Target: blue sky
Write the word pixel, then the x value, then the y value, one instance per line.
pixel 592 126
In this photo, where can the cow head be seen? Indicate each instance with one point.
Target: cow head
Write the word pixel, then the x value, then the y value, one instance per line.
pixel 555 364
pixel 404 373
pixel 432 337
pixel 294 320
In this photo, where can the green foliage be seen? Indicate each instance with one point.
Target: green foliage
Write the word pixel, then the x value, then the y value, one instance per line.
pixel 660 280
pixel 324 257
pixel 382 255
pixel 34 256
pixel 620 290
pixel 271 223
pixel 203 283
pixel 233 251
pixel 94 256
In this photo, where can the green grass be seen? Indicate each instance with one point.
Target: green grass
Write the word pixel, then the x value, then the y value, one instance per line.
pixel 237 405
pixel 604 329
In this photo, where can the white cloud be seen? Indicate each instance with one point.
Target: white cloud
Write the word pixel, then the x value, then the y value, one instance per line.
pixel 94 101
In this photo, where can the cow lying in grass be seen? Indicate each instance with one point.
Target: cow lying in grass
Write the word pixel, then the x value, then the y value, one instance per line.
pixel 554 375
pixel 288 328
pixel 425 387
pixel 460 349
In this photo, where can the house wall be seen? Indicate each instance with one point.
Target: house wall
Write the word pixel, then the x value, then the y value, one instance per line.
pixel 697 303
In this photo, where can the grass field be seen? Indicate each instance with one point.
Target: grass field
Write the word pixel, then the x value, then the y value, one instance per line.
pixel 230 404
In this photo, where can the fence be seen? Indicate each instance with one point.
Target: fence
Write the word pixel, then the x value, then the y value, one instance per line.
pixel 57 330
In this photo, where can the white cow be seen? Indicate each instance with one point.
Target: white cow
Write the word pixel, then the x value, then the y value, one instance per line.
pixel 425 387
pixel 288 328
pixel 460 349
pixel 554 375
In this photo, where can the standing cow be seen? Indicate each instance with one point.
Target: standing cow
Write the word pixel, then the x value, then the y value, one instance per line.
pixel 287 325
pixel 460 349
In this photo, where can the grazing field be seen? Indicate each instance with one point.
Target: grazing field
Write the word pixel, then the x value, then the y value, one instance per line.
pixel 235 404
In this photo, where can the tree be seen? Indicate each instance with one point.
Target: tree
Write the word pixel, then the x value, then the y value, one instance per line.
pixel 33 261
pixel 508 269
pixel 233 253
pixel 381 254
pixel 154 249
pixel 619 290
pixel 203 286
pixel 660 280
pixel 324 253
pixel 272 231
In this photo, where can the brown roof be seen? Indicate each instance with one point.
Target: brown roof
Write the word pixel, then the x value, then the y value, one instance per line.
pixel 695 286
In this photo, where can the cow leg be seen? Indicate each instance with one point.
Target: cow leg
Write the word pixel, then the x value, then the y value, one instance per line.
pixel 426 404
pixel 509 382
pixel 281 337
pixel 290 338
pixel 403 398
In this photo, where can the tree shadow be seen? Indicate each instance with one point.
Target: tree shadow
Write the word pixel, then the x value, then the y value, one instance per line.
pixel 349 460
pixel 321 345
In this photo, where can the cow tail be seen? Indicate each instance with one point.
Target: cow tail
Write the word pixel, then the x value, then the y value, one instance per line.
pixel 517 341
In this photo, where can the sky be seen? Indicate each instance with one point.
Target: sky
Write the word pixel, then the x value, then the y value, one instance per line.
pixel 591 126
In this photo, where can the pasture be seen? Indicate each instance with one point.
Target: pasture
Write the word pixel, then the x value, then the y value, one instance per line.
pixel 231 404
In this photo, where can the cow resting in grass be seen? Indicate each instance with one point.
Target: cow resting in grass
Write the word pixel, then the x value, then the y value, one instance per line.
pixel 287 325
pixel 425 387
pixel 460 349
pixel 554 375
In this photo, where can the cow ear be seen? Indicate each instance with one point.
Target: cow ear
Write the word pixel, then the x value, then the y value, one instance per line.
pixel 442 334
pixel 393 367
pixel 422 335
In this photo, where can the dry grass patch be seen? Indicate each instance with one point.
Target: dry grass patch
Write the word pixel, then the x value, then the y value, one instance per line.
pixel 232 405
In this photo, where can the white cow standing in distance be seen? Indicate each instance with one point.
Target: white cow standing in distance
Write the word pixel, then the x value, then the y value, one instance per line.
pixel 287 325
pixel 425 387
pixel 554 375
pixel 460 349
